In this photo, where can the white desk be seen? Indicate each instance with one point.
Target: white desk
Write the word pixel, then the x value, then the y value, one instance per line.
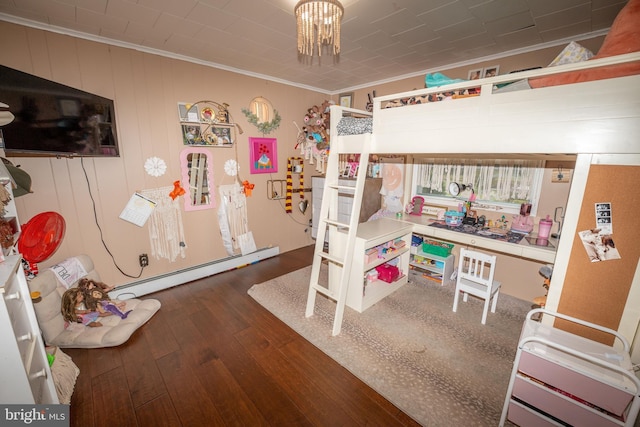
pixel 523 249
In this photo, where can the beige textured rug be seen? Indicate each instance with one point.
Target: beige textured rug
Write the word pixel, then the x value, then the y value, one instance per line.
pixel 441 368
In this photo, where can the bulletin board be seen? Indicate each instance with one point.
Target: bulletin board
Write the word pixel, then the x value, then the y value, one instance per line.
pixel 597 291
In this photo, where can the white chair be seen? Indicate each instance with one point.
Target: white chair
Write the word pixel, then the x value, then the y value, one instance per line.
pixel 475 277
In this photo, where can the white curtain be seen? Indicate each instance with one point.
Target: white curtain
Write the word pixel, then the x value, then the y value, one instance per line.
pixel 495 180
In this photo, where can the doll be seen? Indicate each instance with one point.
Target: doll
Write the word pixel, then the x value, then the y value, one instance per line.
pixel 99 300
pixel 73 309
pixel 86 283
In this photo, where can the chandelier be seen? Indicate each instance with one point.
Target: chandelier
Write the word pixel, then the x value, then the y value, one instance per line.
pixel 318 22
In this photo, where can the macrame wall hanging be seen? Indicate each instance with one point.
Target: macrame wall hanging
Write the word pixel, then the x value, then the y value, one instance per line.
pixel 166 232
pixel 234 224
pixel 299 164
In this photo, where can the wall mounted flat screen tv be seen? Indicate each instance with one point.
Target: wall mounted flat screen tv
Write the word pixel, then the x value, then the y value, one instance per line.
pixel 55 120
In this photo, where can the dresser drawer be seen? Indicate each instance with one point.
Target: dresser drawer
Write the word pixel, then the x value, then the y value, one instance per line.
pixel 25 337
pixel 604 395
pixel 39 373
pixel 562 407
pixel 527 417
pixel 14 297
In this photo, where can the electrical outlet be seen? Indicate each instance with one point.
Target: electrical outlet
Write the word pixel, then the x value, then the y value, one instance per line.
pixel 144 260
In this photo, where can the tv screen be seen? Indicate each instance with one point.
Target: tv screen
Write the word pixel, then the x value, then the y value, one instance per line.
pixel 55 120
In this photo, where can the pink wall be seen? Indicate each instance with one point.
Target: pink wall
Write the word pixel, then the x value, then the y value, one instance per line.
pixel 146 89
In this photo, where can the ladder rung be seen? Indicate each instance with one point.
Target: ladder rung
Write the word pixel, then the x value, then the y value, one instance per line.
pixel 335 223
pixel 324 291
pixel 330 257
pixel 346 188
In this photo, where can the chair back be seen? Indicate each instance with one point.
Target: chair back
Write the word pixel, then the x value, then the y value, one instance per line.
pixel 477 267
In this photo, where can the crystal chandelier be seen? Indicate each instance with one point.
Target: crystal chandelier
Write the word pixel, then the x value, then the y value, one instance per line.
pixel 318 22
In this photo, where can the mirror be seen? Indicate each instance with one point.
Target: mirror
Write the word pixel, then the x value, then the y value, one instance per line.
pixel 262 109
pixel 197 179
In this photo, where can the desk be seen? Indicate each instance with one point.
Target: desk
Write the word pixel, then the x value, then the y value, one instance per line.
pixel 523 249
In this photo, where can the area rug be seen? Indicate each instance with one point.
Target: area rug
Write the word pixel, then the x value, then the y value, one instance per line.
pixel 440 368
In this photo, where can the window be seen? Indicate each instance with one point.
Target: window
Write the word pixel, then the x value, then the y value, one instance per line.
pixel 498 184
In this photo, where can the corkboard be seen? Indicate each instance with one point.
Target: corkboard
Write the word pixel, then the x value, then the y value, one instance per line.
pixel 597 291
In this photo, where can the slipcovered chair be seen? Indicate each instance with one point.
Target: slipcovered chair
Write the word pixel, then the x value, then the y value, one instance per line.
pixel 53 282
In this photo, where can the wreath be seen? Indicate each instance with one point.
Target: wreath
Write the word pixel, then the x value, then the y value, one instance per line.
pixel 263 127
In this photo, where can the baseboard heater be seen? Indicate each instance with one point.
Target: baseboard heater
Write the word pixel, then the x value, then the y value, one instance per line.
pixel 178 277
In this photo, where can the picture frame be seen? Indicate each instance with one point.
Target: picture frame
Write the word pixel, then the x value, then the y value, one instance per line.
pixel 475 74
pixel 190 114
pixel 263 155
pixel 220 136
pixel 346 100
pixel 491 71
pixel 191 134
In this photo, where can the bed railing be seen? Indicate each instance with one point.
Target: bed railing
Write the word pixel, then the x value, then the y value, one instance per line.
pixel 487 84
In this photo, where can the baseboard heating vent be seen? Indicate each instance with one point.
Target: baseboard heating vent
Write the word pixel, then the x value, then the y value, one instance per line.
pixel 178 277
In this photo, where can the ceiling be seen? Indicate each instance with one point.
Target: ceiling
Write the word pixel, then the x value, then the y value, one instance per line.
pixel 382 40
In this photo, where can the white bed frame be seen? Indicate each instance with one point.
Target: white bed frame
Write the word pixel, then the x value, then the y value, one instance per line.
pixel 595 122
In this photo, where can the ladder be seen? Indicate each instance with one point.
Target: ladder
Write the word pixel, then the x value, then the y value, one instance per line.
pixel 338 255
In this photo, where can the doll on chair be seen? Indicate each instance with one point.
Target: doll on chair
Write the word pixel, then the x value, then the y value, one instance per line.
pixel 97 297
pixel 98 300
pixel 74 310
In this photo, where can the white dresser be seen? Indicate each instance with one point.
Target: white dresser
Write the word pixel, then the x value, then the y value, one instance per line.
pixel 24 369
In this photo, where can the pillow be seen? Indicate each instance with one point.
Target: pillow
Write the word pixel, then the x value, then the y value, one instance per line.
pixel 623 37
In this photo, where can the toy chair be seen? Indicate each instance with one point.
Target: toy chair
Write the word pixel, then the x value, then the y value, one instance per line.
pixel 475 277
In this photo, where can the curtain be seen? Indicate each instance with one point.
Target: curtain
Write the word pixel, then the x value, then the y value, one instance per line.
pixel 492 180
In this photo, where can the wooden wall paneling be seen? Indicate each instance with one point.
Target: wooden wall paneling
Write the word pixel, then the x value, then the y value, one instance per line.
pixel 96 68
pixel 64 61
pixel 597 291
pixel 39 53
pixel 13 45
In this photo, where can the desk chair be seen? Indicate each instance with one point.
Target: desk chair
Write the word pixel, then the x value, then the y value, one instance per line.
pixel 475 277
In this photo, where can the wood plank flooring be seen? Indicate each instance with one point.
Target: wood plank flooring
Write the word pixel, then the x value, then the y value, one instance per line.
pixel 213 356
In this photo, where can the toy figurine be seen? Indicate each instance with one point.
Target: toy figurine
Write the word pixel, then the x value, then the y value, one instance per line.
pixel 546 272
pixel 89 284
pixel 74 311
pixel 98 300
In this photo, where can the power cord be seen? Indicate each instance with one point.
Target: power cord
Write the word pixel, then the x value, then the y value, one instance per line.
pixel 95 215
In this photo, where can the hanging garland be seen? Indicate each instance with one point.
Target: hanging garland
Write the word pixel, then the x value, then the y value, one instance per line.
pixel 264 127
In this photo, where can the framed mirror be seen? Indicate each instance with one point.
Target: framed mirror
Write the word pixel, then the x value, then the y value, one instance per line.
pixel 262 109
pixel 262 115
pixel 197 179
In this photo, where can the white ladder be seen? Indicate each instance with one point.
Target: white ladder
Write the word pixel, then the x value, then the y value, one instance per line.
pixel 328 221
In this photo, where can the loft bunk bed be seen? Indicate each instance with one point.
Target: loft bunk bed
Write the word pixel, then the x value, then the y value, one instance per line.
pixel 591 122
pixel 599 116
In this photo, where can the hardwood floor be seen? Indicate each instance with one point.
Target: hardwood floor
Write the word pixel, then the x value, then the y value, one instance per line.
pixel 213 356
